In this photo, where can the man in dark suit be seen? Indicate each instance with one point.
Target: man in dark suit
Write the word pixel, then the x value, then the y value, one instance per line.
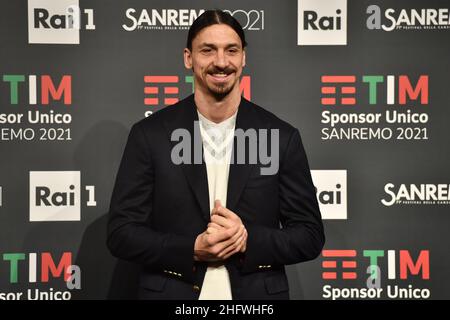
pixel 214 231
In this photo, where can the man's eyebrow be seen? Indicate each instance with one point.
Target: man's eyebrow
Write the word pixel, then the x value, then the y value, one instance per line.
pixel 233 45
pixel 212 45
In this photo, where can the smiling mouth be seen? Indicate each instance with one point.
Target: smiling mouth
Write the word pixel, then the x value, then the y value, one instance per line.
pixel 220 77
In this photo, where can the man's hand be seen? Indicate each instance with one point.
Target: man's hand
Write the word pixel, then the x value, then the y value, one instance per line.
pixel 225 236
pixel 223 218
pixel 215 246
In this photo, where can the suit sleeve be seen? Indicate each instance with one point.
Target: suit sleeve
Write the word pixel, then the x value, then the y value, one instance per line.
pixel 130 237
pixel 301 237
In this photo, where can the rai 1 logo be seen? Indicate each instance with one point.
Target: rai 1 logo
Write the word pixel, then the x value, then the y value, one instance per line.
pixel 321 22
pixel 57 21
pixel 331 193
pixel 56 196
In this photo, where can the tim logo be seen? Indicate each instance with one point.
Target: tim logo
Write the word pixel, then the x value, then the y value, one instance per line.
pixel 164 90
pixel 400 264
pixel 341 90
pixel 331 191
pixel 56 195
pixel 57 21
pixel 38 89
pixel 322 22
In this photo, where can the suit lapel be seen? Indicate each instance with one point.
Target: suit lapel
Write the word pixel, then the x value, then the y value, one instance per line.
pixel 239 173
pixel 196 172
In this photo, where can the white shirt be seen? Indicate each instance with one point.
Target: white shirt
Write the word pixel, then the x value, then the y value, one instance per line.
pixel 217 146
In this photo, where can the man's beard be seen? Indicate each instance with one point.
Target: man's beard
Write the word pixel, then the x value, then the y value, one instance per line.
pixel 220 91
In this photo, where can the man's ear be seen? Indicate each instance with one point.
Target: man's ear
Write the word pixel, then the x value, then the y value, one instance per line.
pixel 187 58
pixel 243 58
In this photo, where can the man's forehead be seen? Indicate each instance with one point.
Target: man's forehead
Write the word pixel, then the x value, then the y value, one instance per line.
pixel 218 34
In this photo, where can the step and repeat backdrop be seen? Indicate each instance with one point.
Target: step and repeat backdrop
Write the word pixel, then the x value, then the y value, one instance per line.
pixel 365 82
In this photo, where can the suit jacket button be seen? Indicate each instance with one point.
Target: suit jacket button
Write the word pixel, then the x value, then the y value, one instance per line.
pixel 196 288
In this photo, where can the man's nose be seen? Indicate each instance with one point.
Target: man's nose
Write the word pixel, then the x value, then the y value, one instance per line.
pixel 221 60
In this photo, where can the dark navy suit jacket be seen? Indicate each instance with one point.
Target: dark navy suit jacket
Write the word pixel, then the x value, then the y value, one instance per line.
pixel 158 208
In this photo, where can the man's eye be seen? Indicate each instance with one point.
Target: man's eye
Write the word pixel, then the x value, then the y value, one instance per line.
pixel 206 50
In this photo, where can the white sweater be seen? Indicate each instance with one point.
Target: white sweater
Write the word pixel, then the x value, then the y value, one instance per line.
pixel 217 146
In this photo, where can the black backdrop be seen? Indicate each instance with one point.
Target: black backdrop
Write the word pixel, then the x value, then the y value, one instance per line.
pixel 99 84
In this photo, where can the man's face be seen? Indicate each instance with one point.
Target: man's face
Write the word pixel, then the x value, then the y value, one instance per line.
pixel 217 59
